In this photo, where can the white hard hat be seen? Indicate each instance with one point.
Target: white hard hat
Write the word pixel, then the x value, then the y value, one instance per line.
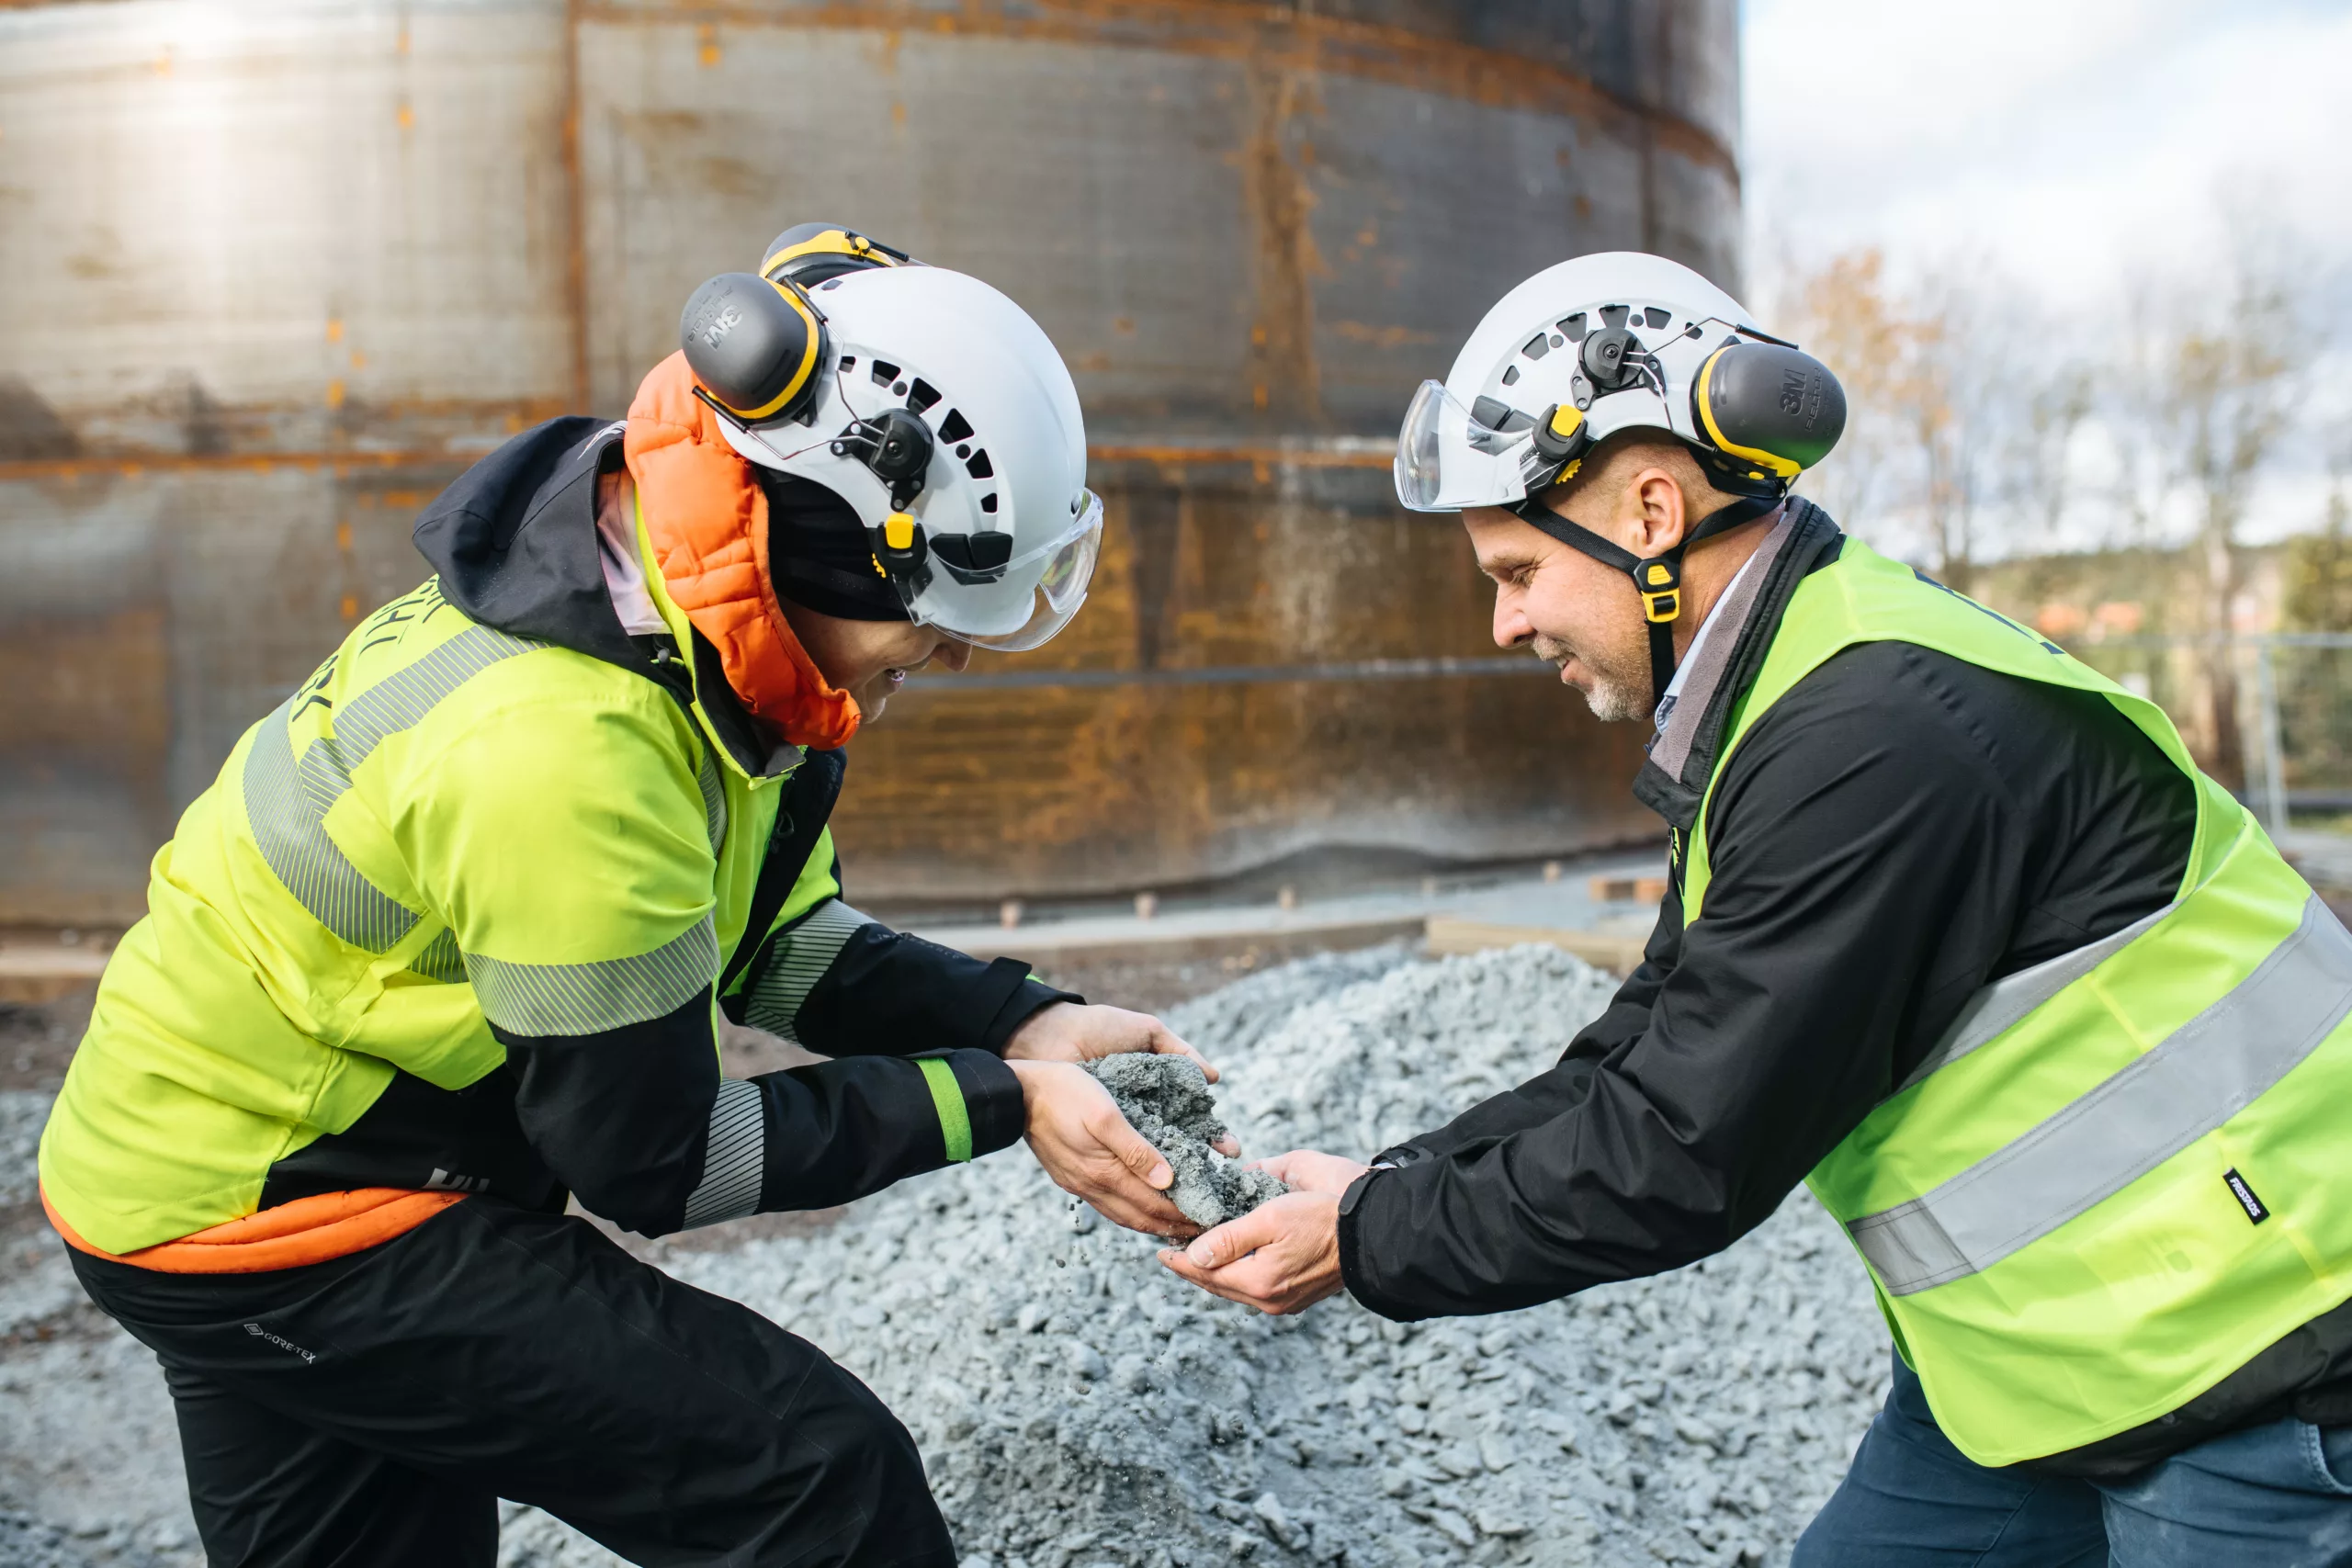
pixel 938 410
pixel 1606 343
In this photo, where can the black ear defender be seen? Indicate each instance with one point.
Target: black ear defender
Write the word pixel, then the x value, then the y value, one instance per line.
pixel 1772 411
pixel 755 346
pixel 1769 412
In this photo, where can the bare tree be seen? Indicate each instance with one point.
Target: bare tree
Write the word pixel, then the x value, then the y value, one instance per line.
pixel 2037 455
pixel 1960 413
pixel 1843 315
pixel 2228 363
pixel 1946 394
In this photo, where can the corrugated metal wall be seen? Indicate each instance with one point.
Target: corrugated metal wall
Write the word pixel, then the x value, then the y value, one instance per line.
pixel 275 271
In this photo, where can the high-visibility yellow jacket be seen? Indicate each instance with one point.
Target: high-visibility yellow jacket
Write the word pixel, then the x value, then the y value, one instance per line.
pixel 461 913
pixel 2121 1173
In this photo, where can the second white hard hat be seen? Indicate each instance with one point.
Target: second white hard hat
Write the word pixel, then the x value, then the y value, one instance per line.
pixel 1606 343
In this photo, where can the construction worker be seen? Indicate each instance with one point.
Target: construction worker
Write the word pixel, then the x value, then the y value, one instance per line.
pixel 449 939
pixel 1956 933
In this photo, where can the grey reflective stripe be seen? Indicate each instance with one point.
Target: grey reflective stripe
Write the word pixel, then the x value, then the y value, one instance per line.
pixel 398 701
pixel 440 959
pixel 294 844
pixel 287 801
pixel 542 999
pixel 714 797
pixel 735 1160
pixel 2196 1078
pixel 800 959
pixel 2000 1006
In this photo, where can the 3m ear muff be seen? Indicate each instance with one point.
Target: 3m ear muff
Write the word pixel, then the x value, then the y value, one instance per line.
pixel 810 254
pixel 1772 411
pixel 755 346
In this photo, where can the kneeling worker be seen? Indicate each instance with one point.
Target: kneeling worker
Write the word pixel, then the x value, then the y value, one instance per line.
pixel 1956 933
pixel 448 937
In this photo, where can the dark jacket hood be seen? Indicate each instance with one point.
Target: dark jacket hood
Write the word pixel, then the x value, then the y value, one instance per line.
pixel 515 540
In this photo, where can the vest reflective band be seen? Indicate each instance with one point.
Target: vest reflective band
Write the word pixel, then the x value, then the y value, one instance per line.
pixel 2120 1175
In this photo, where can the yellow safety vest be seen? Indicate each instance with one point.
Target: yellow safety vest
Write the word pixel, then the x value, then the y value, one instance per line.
pixel 2122 1173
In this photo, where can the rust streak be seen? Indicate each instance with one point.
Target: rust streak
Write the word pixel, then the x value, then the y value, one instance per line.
pixel 1279 203
pixel 1220 29
pixel 575 261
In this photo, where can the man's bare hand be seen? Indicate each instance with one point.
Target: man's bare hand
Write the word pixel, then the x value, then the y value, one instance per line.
pixel 1070 1032
pixel 1281 1256
pixel 1303 1171
pixel 1088 1148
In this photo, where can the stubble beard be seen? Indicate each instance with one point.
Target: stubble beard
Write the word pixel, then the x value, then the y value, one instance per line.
pixel 1615 694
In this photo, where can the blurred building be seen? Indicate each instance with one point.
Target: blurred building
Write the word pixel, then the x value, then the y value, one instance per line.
pixel 276 270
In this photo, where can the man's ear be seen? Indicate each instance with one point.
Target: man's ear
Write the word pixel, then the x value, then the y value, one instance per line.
pixel 1655 513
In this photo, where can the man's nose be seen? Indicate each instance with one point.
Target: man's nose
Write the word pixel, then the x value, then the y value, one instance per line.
pixel 954 654
pixel 1510 627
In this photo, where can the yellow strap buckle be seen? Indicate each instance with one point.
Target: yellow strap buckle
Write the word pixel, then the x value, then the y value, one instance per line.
pixel 1660 584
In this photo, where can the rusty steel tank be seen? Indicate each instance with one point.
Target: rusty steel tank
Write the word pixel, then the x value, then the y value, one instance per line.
pixel 276 272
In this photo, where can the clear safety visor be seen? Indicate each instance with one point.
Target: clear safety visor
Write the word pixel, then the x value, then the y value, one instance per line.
pixel 1024 602
pixel 1447 459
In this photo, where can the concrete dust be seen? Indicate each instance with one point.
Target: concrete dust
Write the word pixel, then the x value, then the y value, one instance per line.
pixel 1076 1405
pixel 1167 1099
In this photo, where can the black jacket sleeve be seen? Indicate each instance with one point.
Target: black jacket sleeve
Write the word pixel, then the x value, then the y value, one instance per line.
pixel 636 1122
pixel 1898 830
pixel 894 992
pixel 843 983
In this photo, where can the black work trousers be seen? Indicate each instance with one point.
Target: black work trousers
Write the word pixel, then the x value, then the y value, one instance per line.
pixel 370 1412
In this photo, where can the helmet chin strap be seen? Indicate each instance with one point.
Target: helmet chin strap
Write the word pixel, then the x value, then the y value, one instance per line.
pixel 1657 580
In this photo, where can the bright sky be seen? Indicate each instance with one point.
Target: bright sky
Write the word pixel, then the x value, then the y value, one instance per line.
pixel 2073 142
pixel 2080 149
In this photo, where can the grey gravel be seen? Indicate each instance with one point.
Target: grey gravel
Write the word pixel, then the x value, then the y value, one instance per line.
pixel 1077 1406
pixel 22 1114
pixel 1167 1099
pixel 1698 1417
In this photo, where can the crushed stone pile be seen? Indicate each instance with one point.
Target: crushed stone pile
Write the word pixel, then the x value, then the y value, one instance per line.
pixel 1167 1099
pixel 1079 1407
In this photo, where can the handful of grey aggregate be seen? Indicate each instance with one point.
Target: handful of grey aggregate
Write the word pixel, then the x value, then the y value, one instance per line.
pixel 1167 1099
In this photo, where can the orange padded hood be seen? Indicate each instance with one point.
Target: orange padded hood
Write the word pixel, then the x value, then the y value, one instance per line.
pixel 709 520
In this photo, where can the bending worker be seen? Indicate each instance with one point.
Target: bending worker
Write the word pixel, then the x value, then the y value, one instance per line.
pixel 449 937
pixel 1957 935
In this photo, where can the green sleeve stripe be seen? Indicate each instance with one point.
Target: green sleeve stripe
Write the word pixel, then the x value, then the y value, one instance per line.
pixel 955 1122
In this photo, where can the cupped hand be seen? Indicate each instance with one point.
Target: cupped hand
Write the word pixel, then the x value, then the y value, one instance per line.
pixel 1281 1257
pixel 1088 1148
pixel 1076 1031
pixel 1303 1171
